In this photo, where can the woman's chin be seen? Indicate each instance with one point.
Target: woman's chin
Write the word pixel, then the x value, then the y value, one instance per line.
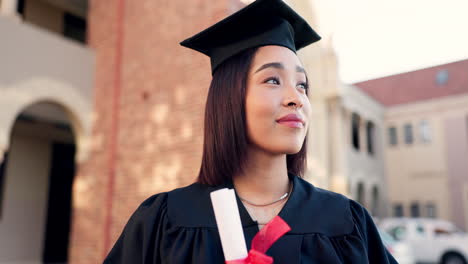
pixel 290 150
pixel 288 147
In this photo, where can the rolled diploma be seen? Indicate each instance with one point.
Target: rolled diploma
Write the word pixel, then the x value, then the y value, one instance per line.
pixel 229 224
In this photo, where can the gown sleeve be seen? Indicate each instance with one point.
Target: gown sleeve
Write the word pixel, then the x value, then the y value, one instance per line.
pixel 139 240
pixel 376 251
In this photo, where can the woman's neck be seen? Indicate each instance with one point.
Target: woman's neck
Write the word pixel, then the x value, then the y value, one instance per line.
pixel 264 179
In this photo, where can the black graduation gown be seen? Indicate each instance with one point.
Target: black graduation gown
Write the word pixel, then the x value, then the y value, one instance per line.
pixel 180 227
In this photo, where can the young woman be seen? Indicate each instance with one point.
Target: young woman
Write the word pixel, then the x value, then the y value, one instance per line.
pixel 256 121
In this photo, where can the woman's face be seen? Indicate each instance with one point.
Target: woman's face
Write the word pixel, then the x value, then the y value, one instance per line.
pixel 276 88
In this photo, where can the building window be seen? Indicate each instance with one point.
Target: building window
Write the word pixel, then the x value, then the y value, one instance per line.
pixel 361 194
pixel 415 210
pixel 392 136
pixel 355 123
pixel 431 210
pixel 370 129
pixel 375 201
pixel 2 181
pixel 425 131
pixel 74 27
pixel 63 17
pixel 398 210
pixel 408 132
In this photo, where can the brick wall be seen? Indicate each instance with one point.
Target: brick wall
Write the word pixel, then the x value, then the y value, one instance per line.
pixel 163 90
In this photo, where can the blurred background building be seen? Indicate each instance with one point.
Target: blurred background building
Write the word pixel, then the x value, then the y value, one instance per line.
pixel 100 108
pixel 426 148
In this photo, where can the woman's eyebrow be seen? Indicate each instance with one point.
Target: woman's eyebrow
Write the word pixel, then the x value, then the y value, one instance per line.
pixel 277 65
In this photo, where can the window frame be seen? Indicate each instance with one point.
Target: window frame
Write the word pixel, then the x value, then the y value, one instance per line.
pixel 392 133
pixel 355 131
pixel 408 134
pixel 415 209
pixel 425 131
pixel 398 207
pixel 370 137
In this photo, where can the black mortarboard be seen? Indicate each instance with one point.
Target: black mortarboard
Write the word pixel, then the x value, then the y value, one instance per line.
pixel 264 22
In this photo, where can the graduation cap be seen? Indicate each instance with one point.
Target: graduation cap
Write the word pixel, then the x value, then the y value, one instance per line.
pixel 264 22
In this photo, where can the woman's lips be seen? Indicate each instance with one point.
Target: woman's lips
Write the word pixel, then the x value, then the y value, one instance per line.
pixel 291 120
pixel 294 124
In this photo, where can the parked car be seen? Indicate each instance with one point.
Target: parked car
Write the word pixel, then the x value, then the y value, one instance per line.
pixel 400 250
pixel 431 240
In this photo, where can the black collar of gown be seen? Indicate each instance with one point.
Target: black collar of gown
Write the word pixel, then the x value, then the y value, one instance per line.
pixel 308 210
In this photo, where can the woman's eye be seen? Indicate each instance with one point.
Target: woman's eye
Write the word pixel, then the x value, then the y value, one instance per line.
pixel 273 80
pixel 304 86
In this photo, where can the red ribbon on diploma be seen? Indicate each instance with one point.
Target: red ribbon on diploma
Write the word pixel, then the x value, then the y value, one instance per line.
pixel 262 241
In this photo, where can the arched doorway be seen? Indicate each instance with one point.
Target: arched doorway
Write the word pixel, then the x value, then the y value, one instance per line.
pixel 37 186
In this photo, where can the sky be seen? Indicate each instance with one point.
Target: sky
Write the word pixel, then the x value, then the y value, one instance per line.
pixel 377 38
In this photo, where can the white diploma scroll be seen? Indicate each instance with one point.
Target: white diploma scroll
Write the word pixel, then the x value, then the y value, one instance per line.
pixel 229 224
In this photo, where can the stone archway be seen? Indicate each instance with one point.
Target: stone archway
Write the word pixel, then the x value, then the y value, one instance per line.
pixel 76 106
pixel 37 185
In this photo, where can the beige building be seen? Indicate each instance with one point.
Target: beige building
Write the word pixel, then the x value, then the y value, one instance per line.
pixel 365 150
pixel 346 147
pixel 426 148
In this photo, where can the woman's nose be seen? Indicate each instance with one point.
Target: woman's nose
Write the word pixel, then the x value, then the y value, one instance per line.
pixel 293 105
pixel 292 98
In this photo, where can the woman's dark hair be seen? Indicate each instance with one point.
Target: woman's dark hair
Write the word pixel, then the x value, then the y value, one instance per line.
pixel 225 136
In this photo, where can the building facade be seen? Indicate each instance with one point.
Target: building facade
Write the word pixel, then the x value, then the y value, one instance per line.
pixel 426 131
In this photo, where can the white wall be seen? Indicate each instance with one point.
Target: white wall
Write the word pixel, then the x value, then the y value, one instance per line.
pixel 41 66
pixel 24 213
pixel 360 165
